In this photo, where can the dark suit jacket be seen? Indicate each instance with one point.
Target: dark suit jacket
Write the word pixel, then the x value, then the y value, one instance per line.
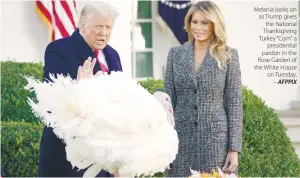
pixel 64 56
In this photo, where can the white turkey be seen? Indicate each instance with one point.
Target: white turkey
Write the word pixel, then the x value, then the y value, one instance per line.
pixel 108 122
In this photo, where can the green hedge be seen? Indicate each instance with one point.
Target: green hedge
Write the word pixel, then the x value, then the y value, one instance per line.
pixel 14 105
pixel 20 143
pixel 267 150
pixel 153 85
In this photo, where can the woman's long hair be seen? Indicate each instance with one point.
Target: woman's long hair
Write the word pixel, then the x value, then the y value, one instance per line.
pixel 211 11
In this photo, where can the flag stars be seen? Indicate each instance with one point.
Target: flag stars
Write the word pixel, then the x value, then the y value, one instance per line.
pixel 175 5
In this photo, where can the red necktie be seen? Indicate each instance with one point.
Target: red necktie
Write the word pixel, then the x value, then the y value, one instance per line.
pixel 103 67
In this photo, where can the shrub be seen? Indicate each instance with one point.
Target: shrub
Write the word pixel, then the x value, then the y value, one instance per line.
pixel 20 143
pixel 14 105
pixel 152 85
pixel 267 150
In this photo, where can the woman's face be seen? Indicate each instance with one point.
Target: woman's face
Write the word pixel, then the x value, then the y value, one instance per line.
pixel 202 29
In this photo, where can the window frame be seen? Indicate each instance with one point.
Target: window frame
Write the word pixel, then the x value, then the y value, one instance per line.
pixel 134 21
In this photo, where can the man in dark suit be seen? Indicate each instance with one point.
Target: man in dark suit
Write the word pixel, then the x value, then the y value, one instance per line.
pixel 65 56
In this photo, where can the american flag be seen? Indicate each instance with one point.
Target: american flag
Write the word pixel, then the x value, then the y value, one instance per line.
pixel 59 15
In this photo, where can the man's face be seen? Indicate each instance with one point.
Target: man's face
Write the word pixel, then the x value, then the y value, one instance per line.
pixel 96 31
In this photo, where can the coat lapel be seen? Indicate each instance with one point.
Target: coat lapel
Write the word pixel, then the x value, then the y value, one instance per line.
pixel 187 61
pixel 207 64
pixel 109 59
pixel 83 49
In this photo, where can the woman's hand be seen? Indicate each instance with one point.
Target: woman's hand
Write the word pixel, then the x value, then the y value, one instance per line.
pixel 86 71
pixel 231 162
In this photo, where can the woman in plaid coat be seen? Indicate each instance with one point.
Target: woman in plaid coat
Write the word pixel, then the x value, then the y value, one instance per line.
pixel 203 78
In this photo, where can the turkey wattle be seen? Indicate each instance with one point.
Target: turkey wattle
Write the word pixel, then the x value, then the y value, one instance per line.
pixel 108 122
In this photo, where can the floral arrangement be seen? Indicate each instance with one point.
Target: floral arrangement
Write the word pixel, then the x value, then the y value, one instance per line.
pixel 214 174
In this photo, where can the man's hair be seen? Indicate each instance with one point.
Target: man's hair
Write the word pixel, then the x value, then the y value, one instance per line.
pixel 103 9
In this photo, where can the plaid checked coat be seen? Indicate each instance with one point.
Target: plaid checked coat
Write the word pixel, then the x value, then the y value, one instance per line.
pixel 207 107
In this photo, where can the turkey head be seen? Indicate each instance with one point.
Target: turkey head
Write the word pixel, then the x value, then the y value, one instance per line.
pixel 165 100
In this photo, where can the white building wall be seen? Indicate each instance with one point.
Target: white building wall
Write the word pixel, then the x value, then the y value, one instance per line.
pixel 24 37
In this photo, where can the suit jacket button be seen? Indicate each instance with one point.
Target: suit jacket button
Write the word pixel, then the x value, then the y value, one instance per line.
pixel 195 91
pixel 195 123
pixel 195 107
